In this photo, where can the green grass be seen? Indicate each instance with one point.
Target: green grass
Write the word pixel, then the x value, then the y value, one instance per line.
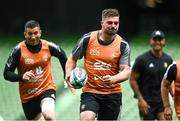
pixel 10 107
pixel 67 104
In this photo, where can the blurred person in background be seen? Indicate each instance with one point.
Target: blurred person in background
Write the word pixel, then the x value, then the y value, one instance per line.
pixel 146 76
pixel 107 63
pixel 32 58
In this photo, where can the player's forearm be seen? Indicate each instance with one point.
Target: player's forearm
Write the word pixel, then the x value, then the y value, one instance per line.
pixel 11 76
pixel 63 64
pixel 70 65
pixel 172 89
pixel 165 98
pixel 135 88
pixel 165 87
pixel 122 76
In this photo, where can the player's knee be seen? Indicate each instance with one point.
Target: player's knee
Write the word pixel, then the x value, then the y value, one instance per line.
pixel 48 115
pixel 87 116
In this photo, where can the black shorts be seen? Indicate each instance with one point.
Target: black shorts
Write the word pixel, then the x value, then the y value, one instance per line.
pixel 155 108
pixel 32 108
pixel 106 106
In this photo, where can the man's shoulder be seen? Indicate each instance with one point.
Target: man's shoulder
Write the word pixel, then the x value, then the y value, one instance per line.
pixel 86 37
pixel 144 55
pixel 88 34
pixel 49 43
pixel 16 48
pixel 123 41
pixel 44 41
pixel 91 33
pixel 167 56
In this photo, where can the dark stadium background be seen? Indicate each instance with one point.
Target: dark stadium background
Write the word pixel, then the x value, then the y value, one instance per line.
pixel 79 16
pixel 63 22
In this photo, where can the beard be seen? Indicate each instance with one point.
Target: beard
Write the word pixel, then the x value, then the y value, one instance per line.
pixel 33 42
pixel 111 32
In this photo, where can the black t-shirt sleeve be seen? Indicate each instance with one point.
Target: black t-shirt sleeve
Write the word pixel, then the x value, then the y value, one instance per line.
pixel 138 65
pixel 59 53
pixel 11 64
pixel 171 72
pixel 80 49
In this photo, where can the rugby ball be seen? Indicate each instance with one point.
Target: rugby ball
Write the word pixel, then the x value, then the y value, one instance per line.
pixel 78 77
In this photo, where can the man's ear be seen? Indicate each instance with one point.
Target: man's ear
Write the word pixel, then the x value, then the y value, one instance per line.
pixel 101 22
pixel 164 44
pixel 24 34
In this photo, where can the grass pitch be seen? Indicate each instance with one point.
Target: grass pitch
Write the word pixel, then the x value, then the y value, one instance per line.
pixel 67 104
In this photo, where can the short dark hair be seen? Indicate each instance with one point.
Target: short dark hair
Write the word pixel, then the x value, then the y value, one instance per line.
pixel 31 24
pixel 110 13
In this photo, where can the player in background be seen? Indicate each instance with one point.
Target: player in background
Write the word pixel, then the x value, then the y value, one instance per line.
pixel 171 77
pixel 107 63
pixel 32 58
pixel 146 76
